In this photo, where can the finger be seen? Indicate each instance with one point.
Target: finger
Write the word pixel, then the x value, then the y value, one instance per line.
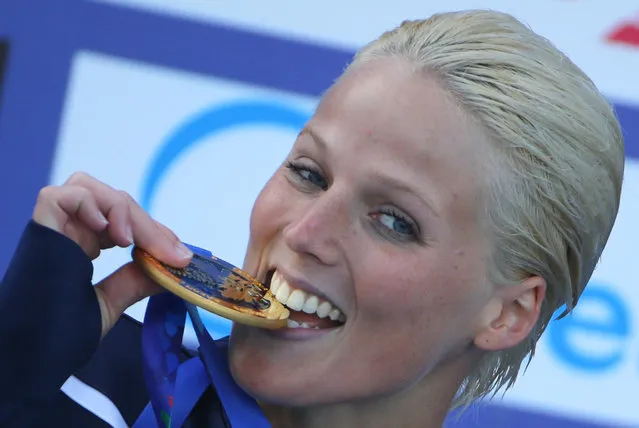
pixel 120 290
pixel 167 232
pixel 106 241
pixel 119 216
pixel 117 211
pixel 171 236
pixel 157 239
pixel 84 237
pixel 112 204
pixel 146 232
pixel 57 204
pixel 73 211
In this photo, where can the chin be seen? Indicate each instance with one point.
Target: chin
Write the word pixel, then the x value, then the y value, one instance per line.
pixel 265 384
pixel 304 367
pixel 258 370
pixel 271 372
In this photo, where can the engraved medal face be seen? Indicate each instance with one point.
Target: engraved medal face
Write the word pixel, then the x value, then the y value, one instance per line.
pixel 218 287
pixel 212 278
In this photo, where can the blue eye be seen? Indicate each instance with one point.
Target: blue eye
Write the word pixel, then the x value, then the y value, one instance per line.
pixel 308 175
pixel 397 225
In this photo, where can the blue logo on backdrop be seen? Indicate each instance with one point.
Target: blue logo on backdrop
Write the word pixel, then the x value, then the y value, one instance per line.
pixel 570 338
pixel 216 120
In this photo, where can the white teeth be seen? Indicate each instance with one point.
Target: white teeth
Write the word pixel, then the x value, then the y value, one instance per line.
pixel 292 324
pixel 323 309
pixel 310 306
pixel 283 292
pixel 296 300
pixel 334 314
pixel 275 283
pixel 295 324
pixel 299 300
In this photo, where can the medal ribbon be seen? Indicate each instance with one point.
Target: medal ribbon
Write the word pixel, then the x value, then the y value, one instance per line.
pixel 174 388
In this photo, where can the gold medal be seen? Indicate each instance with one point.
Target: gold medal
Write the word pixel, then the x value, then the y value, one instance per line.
pixel 218 287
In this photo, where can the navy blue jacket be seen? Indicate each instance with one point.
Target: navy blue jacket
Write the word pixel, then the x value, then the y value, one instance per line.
pixel 50 329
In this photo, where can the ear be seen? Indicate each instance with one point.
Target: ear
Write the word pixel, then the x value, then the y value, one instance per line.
pixel 511 315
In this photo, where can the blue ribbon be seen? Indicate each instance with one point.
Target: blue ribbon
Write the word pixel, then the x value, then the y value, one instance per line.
pixel 174 388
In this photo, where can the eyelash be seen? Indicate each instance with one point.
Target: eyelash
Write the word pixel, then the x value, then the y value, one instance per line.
pixel 299 169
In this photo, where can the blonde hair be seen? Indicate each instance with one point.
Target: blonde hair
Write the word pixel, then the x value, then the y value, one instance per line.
pixel 559 153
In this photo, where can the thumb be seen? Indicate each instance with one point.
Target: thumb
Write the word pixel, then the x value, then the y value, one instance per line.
pixel 124 287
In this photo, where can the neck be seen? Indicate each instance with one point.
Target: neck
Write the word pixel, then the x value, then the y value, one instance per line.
pixel 425 404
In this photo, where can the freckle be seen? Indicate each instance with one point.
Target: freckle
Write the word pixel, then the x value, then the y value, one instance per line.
pixel 456 267
pixel 459 252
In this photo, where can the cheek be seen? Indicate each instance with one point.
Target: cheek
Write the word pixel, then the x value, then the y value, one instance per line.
pixel 422 316
pixel 436 301
pixel 268 210
pixel 265 222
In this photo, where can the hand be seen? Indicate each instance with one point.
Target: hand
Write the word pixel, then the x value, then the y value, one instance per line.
pixel 98 217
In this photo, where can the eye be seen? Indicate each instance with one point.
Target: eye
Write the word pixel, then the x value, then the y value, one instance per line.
pixel 396 225
pixel 307 175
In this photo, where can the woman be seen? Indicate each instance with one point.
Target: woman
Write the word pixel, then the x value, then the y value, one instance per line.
pixel 454 188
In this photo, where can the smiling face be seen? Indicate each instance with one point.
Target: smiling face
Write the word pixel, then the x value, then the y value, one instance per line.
pixel 375 211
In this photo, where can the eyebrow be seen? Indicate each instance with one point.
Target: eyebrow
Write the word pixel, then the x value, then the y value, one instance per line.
pixel 385 180
pixel 323 146
pixel 399 186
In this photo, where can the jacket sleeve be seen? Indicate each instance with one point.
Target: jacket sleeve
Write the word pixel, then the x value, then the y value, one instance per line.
pixel 50 322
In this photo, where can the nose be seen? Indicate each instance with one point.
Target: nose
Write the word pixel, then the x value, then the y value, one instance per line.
pixel 316 229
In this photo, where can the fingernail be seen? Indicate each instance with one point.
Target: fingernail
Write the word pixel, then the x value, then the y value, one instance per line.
pixel 183 251
pixel 102 219
pixel 129 234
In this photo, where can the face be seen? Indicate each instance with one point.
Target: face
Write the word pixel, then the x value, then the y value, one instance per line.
pixel 375 213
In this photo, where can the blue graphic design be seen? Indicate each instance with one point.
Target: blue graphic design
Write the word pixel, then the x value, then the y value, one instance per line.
pixel 612 326
pixel 213 121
